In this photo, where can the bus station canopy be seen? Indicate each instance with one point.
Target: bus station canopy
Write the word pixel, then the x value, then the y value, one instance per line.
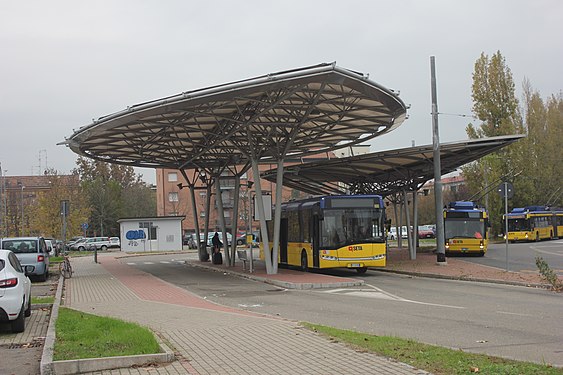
pixel 290 113
pixel 386 172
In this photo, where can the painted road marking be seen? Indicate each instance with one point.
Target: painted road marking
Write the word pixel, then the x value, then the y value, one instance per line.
pixel 376 292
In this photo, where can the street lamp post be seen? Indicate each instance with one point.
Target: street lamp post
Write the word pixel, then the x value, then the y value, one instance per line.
pixel 22 219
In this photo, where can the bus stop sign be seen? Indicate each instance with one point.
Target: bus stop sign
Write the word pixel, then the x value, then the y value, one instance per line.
pixel 506 190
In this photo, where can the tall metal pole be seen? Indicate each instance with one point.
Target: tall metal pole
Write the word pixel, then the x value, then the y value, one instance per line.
pixel 505 187
pixel 23 222
pixel 2 217
pixel 440 248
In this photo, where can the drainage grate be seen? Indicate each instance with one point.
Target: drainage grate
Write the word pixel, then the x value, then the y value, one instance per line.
pixel 36 343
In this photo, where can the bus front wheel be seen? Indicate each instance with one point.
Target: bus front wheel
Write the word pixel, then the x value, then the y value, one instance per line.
pixel 304 265
pixel 361 270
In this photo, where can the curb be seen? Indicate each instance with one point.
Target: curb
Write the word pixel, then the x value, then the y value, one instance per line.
pixel 281 283
pixel 46 366
pixel 76 366
pixel 464 278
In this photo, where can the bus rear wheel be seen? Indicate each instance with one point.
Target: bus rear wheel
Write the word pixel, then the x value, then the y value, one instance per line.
pixel 304 265
pixel 361 270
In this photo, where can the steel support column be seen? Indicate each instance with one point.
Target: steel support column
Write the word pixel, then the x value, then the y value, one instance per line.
pixel 221 215
pixel 262 217
pixel 277 216
pixel 234 227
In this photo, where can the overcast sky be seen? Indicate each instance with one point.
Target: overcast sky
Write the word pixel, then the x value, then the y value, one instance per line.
pixel 64 63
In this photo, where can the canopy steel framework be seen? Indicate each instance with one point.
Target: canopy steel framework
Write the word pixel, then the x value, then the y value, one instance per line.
pixel 385 172
pixel 264 119
pixel 295 112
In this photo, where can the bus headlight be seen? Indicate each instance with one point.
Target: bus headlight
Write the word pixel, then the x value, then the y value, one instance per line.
pixel 481 245
pixel 447 245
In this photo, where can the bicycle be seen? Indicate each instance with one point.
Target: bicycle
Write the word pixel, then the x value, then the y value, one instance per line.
pixel 64 267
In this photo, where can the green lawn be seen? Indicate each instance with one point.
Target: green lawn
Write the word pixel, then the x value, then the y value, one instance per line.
pixel 435 359
pixel 81 335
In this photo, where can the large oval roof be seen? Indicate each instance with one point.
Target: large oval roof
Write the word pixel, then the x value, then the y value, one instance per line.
pixel 294 112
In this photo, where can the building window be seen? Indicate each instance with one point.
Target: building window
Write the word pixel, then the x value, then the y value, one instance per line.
pixel 173 196
pixel 172 177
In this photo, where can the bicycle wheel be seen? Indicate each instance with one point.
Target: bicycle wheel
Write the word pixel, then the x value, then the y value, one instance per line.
pixel 65 269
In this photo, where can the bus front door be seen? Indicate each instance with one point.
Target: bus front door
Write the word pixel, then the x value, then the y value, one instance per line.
pixel 283 241
pixel 316 239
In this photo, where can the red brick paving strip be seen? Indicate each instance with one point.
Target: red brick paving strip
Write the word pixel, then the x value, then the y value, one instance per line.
pixel 150 288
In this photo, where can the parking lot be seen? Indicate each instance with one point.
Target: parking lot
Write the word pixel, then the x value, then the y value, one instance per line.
pixel 21 352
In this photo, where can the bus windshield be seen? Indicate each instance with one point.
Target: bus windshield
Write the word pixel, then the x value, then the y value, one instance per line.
pixel 464 229
pixel 347 226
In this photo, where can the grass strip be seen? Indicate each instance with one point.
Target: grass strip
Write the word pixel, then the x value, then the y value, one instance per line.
pixel 42 299
pixel 434 359
pixel 81 335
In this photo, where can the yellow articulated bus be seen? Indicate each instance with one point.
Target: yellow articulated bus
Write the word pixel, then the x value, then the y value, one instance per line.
pixel 466 228
pixel 340 231
pixel 534 223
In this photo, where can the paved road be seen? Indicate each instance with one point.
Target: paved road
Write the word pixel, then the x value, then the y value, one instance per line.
pixel 514 322
pixel 522 255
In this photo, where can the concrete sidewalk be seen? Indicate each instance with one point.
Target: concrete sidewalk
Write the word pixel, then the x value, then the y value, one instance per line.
pixel 210 338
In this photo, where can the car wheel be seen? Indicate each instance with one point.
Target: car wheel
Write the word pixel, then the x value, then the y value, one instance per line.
pixel 18 325
pixel 104 248
pixel 81 248
pixel 28 309
pixel 239 242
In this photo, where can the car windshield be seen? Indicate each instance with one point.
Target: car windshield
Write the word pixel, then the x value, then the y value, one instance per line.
pixel 20 246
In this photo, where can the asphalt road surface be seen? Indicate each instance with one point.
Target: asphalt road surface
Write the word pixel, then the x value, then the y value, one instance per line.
pixel 508 321
pixel 522 256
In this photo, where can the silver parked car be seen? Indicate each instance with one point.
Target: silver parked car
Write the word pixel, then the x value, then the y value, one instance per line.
pixel 31 251
pixel 91 243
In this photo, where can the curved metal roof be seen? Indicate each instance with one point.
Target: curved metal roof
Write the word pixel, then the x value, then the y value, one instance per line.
pixel 385 172
pixel 294 112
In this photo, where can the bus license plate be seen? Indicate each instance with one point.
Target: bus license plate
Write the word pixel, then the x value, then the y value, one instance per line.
pixel 355 265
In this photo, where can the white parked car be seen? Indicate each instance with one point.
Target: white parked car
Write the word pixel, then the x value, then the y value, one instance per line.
pixel 114 242
pixel 392 234
pixel 15 291
pixel 50 247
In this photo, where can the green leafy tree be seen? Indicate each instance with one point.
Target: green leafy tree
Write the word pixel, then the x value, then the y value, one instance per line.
pixel 496 106
pixel 532 164
pixel 113 191
pixel 45 214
